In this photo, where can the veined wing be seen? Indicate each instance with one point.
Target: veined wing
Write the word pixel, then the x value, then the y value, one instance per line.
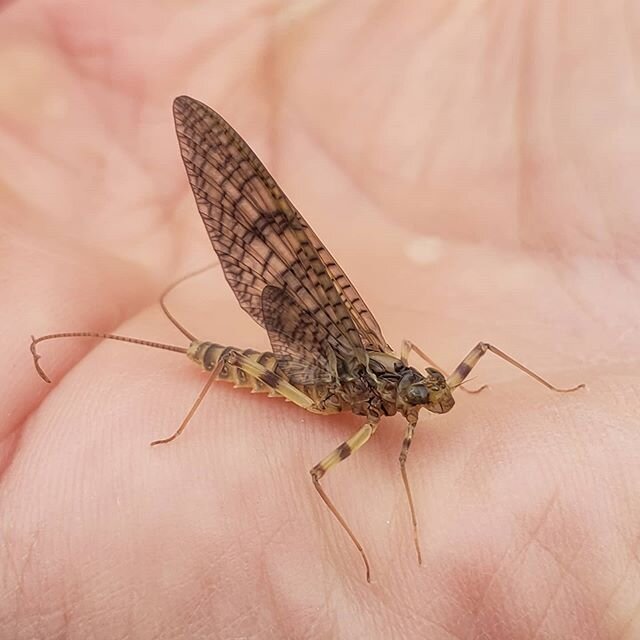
pixel 300 342
pixel 263 241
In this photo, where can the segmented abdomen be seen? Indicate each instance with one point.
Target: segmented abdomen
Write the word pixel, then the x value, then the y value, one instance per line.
pixel 209 354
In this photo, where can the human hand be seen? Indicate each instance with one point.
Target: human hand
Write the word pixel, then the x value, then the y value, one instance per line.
pixel 474 186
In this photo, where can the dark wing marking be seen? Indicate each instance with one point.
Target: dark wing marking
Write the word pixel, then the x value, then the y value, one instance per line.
pixel 261 239
pixel 370 332
pixel 294 335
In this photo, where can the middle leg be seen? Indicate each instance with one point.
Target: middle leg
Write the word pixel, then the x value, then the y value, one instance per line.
pixel 340 453
pixel 406 443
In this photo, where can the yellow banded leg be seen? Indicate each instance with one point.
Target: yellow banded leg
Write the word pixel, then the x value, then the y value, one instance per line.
pixel 339 454
pixel 407 347
pixel 406 443
pixel 465 367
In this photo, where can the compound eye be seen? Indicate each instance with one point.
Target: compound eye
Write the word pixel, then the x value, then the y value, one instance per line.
pixel 417 394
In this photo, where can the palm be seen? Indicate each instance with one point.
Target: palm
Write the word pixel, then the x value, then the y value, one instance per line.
pixel 466 202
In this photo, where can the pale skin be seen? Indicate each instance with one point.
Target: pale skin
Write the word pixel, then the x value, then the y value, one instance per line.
pixel 475 174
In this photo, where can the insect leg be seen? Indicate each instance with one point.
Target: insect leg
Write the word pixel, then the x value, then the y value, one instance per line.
pixel 406 443
pixel 339 454
pixel 194 407
pixel 407 347
pixel 251 368
pixel 465 367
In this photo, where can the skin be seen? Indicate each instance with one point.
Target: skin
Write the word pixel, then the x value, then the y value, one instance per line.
pixel 474 170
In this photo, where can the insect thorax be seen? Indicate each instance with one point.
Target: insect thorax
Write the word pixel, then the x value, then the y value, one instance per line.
pixel 372 390
pixel 387 385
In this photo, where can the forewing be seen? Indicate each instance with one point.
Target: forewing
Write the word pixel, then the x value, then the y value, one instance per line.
pixel 261 239
pixel 370 332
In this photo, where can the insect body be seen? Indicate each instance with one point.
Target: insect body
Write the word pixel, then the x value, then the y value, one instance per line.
pixel 328 352
pixel 384 387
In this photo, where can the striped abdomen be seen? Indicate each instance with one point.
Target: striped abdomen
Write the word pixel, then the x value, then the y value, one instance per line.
pixel 209 354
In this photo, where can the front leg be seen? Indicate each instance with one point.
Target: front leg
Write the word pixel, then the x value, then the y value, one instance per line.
pixel 465 367
pixel 406 347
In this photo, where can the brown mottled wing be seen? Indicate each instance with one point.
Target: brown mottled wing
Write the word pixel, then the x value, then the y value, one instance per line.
pixel 262 240
pixel 296 337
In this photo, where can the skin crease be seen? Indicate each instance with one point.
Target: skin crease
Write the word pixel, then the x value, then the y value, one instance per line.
pixel 473 167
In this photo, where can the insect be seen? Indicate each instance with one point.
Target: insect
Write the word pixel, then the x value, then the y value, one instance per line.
pixel 328 352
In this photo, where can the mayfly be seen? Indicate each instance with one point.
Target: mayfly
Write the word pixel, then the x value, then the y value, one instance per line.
pixel 328 352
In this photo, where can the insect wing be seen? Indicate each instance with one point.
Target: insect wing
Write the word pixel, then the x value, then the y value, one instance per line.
pixel 263 241
pixel 368 327
pixel 296 338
